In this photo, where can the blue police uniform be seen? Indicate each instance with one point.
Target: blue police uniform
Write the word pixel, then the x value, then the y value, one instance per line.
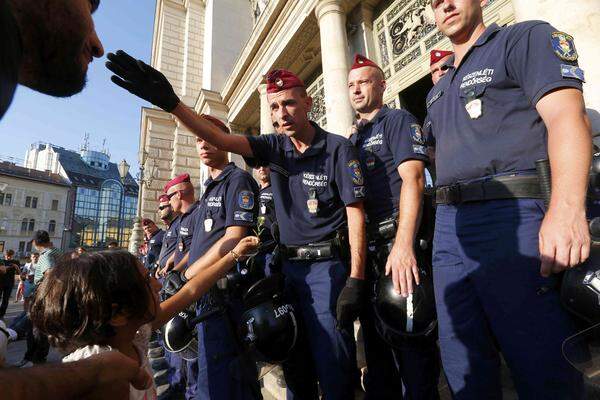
pixel 486 259
pixel 185 235
pixel 154 248
pixel 228 200
pixel 310 192
pixel 266 219
pixel 386 141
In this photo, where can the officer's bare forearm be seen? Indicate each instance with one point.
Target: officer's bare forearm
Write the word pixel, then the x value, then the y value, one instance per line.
pixel 411 197
pixel 181 264
pixel 358 239
pixel 206 130
pixel 202 281
pixel 233 235
pixel 569 147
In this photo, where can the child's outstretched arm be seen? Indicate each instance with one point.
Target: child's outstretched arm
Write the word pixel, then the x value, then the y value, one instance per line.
pixel 202 282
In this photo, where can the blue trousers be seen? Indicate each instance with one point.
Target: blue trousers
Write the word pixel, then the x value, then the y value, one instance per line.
pixel 323 352
pixel 219 373
pixel 486 269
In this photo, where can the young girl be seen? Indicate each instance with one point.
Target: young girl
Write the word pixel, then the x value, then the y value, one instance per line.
pixel 107 301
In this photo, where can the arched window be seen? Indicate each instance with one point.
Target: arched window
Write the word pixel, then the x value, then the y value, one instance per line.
pixel 52 226
pixel 24 225
pixel 31 224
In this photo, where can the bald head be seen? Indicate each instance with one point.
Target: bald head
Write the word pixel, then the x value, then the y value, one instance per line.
pixel 366 86
pixel 181 196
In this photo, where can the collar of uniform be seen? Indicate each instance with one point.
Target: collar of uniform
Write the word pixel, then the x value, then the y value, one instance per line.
pixel 191 209
pixel 317 145
pixel 155 233
pixel 226 171
pixel 381 114
pixel 487 35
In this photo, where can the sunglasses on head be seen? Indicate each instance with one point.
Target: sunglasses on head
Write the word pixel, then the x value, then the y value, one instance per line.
pixel 163 207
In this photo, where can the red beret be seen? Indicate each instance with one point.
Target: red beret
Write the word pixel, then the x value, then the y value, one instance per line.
pixel 437 55
pixel 280 79
pixel 216 121
pixel 177 180
pixel 362 61
pixel 163 198
pixel 147 221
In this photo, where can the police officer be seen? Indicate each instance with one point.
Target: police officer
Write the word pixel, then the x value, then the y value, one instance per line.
pixel 437 64
pixel 225 212
pixel 180 192
pixel 266 209
pixel 511 96
pixel 318 190
pixel 393 155
pixel 154 235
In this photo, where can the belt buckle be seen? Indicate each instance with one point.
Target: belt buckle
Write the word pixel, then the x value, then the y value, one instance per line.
pixel 305 253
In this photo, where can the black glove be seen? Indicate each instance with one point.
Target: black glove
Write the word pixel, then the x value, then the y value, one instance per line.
pixel 142 80
pixel 172 283
pixel 349 302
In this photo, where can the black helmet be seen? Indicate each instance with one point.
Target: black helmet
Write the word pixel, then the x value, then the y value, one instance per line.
pixel 397 318
pixel 268 325
pixel 580 290
pixel 180 335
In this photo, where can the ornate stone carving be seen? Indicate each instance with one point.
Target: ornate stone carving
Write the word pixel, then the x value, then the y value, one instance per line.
pixel 317 92
pixel 258 6
pixel 410 27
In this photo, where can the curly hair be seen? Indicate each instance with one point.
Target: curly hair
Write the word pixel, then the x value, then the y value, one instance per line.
pixel 79 296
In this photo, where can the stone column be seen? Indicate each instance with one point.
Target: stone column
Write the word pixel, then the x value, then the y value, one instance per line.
pixel 334 54
pixel 582 21
pixel 266 124
pixel 367 30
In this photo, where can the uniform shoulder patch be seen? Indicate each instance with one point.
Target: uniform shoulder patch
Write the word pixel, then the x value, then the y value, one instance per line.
pixel 564 46
pixel 356 172
pixel 420 149
pixel 572 71
pixel 246 199
pixel 417 134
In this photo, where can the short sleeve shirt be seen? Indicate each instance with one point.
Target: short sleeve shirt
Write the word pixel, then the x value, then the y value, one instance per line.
pixel 266 212
pixel 389 139
pixel 169 242
pixel 228 200
pixel 310 189
pixel 154 247
pixel 47 260
pixel 482 113
pixel 185 233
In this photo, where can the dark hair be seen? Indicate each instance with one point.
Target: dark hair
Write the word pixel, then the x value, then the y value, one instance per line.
pixel 10 252
pixel 74 303
pixel 113 244
pixel 41 237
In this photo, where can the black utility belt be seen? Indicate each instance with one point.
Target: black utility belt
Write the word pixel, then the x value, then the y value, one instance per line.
pixel 499 188
pixel 384 230
pixel 313 251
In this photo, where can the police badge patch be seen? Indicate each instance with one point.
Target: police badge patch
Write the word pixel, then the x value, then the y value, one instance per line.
pixel 357 176
pixel 246 200
pixel 572 71
pixel 417 133
pixel 564 46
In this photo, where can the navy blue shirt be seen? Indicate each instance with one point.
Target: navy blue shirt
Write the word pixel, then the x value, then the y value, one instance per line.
pixel 185 233
pixel 229 200
pixel 483 116
pixel 169 242
pixel 385 142
pixel 154 247
pixel 310 190
pixel 266 212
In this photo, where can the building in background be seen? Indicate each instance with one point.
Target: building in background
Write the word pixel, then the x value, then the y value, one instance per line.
pixel 31 200
pixel 102 207
pixel 217 66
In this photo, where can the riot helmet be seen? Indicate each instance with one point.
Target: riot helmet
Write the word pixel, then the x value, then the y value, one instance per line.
pixel 180 337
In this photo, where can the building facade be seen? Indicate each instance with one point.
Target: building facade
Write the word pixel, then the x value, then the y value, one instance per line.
pixel 31 200
pixel 218 67
pixel 102 207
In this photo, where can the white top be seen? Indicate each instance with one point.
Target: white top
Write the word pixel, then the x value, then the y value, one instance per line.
pixel 140 343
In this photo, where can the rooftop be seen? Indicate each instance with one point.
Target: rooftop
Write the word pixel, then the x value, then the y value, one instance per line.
pixel 16 171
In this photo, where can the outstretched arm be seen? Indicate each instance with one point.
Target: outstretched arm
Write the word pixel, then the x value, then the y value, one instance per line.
pixel 202 282
pixel 142 80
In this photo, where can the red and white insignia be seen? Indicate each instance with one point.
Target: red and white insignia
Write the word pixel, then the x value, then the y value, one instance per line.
pixel 279 82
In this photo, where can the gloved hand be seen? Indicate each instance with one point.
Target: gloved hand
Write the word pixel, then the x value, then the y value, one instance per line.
pixel 172 283
pixel 350 302
pixel 142 80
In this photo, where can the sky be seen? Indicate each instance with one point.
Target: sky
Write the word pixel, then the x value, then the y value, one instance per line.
pixel 103 110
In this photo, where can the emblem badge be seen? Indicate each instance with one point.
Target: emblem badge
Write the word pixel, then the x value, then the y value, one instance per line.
pixel 181 246
pixel 370 162
pixel 263 208
pixel 417 134
pixel 279 82
pixel 474 108
pixel 312 203
pixel 357 176
pixel 564 46
pixel 572 71
pixel 246 200
pixel 208 224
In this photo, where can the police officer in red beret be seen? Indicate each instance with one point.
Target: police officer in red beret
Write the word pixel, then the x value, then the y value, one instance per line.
pixel 437 64
pixel 318 191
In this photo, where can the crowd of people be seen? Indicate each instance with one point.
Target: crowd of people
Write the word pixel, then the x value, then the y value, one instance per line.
pixel 348 215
